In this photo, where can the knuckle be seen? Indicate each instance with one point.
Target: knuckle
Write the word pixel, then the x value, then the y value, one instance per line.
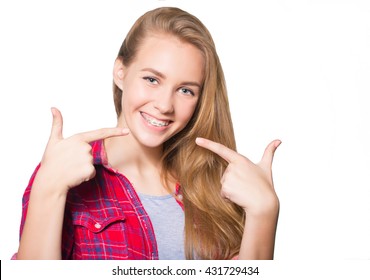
pixel 93 172
pixel 225 193
pixel 90 171
pixel 101 132
pixel 243 160
pixel 88 148
pixel 88 161
pixel 76 137
pixel 106 132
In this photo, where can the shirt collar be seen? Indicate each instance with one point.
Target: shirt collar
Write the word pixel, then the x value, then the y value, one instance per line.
pixel 98 152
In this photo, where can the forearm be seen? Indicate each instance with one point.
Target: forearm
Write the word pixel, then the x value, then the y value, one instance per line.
pixel 42 233
pixel 258 240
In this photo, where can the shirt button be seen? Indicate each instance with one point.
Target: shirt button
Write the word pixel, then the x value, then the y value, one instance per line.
pixel 97 225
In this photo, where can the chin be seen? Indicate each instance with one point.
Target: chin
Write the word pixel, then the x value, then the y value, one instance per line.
pixel 151 141
pixel 154 137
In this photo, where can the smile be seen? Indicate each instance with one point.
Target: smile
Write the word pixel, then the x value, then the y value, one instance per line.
pixel 153 121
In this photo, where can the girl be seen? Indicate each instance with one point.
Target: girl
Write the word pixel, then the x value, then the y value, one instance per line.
pixel 166 183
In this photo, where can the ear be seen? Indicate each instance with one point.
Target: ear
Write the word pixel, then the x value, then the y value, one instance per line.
pixel 118 72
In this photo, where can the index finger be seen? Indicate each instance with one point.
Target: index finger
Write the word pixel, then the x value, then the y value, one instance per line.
pixel 102 133
pixel 223 151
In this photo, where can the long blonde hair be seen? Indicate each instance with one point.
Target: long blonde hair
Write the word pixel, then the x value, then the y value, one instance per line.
pixel 213 226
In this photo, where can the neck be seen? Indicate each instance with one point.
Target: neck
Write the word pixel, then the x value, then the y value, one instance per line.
pixel 126 152
pixel 141 165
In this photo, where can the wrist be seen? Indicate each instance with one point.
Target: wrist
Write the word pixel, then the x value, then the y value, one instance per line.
pixel 49 185
pixel 269 208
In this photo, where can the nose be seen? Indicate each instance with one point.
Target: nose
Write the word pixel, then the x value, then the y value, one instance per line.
pixel 164 103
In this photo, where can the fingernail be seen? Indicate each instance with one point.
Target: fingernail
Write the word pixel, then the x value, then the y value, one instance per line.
pixel 126 130
pixel 277 143
pixel 198 140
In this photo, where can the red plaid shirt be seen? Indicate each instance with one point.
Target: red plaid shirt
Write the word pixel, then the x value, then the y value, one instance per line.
pixel 104 218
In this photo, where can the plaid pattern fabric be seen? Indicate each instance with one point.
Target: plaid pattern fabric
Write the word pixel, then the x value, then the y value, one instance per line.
pixel 104 218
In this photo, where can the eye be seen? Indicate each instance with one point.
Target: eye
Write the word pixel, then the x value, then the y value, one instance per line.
pixel 151 80
pixel 186 91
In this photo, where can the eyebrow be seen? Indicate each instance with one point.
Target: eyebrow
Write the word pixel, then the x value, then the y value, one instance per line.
pixel 163 76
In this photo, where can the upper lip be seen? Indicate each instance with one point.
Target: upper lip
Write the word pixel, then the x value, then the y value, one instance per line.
pixel 153 117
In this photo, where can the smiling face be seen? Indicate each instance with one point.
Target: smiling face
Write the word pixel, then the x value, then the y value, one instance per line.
pixel 161 88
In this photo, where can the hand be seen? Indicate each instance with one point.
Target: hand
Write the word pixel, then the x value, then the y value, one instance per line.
pixel 247 184
pixel 67 163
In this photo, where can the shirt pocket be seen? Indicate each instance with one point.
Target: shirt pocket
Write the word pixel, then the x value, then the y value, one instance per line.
pixel 96 224
pixel 99 238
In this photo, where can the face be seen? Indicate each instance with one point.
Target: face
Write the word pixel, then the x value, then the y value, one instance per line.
pixel 161 88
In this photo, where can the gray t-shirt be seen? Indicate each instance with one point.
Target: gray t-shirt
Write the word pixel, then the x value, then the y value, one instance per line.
pixel 168 221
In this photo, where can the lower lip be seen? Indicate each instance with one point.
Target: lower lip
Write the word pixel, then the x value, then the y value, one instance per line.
pixel 155 128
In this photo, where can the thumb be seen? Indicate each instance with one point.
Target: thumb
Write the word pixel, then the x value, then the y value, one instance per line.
pixel 268 155
pixel 57 125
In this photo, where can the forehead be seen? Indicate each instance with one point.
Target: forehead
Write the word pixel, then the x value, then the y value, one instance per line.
pixel 170 56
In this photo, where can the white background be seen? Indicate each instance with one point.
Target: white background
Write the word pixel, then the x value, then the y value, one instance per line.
pixel 296 70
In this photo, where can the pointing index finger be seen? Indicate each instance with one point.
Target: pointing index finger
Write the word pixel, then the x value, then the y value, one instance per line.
pixel 103 133
pixel 223 151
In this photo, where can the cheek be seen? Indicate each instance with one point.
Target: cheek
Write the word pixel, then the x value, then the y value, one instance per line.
pixel 186 111
pixel 133 97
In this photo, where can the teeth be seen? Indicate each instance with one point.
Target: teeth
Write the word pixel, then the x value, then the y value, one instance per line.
pixel 155 122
